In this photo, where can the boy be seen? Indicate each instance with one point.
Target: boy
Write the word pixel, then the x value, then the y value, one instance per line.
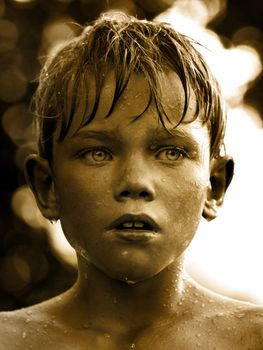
pixel 131 124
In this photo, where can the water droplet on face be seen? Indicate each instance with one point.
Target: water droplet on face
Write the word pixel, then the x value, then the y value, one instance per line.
pixel 45 325
pixel 129 281
pixel 133 346
pixel 53 317
pixel 29 312
pixel 115 300
pixel 106 335
pixel 241 315
pixel 163 179
pixel 24 335
pixel 85 325
pixel 65 331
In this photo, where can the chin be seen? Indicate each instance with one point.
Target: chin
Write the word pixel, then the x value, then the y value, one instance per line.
pixel 132 276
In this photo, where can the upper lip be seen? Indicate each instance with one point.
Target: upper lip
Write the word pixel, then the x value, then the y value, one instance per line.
pixel 151 224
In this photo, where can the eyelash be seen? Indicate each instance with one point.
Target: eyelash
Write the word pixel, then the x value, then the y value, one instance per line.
pixel 84 154
pixel 182 153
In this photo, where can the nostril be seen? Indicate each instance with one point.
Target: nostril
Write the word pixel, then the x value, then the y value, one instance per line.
pixel 125 194
pixel 144 194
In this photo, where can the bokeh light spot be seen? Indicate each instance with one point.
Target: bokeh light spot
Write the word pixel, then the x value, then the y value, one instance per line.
pixel 24 205
pixel 57 32
pixel 17 123
pixel 8 35
pixel 13 84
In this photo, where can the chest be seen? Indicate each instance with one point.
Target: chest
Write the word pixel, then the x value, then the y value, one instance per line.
pixel 169 337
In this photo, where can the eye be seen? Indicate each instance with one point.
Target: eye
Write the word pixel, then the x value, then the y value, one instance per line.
pixel 171 154
pixel 96 155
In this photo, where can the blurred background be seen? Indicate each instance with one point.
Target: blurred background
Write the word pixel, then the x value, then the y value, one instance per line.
pixel 226 255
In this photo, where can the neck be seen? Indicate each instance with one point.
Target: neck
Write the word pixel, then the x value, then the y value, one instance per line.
pixel 139 304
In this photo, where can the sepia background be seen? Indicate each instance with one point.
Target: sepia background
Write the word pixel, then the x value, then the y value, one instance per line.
pixel 227 254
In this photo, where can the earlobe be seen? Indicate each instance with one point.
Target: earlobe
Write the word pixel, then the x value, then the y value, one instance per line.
pixel 221 174
pixel 39 177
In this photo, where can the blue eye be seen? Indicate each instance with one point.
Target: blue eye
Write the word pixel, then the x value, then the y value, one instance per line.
pixel 171 154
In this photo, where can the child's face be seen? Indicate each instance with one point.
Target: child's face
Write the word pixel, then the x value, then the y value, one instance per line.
pixel 135 172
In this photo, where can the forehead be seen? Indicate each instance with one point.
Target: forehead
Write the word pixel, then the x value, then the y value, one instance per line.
pixel 135 100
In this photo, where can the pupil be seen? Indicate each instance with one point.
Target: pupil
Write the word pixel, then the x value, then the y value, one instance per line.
pixel 172 154
pixel 98 154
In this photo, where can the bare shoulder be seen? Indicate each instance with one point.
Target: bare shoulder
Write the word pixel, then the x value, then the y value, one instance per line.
pixel 26 328
pixel 229 323
pixel 239 322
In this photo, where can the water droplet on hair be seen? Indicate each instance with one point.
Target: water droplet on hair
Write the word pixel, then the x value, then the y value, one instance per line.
pixel 133 346
pixel 115 301
pixel 106 335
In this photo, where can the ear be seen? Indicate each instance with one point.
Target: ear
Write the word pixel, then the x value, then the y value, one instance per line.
pixel 39 177
pixel 221 174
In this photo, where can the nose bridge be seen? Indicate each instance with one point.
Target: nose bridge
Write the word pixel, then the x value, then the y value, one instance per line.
pixel 135 178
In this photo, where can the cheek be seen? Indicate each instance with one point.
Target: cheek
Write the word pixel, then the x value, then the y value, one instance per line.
pixel 81 201
pixel 184 201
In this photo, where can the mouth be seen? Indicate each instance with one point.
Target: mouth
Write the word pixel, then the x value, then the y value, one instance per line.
pixel 135 227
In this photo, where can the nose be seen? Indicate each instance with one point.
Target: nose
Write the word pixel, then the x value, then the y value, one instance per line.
pixel 135 182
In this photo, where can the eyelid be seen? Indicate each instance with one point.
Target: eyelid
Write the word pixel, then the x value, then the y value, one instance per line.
pixel 172 147
pixel 86 150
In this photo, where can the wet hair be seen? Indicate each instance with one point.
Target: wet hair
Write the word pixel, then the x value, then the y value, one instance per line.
pixel 123 44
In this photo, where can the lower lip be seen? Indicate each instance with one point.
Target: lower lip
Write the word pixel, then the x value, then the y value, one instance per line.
pixel 135 235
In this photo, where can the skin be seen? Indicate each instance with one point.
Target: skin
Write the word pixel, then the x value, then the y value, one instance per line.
pixel 133 294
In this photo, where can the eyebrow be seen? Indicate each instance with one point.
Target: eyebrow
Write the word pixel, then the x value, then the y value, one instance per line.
pixel 157 136
pixel 101 135
pixel 176 134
